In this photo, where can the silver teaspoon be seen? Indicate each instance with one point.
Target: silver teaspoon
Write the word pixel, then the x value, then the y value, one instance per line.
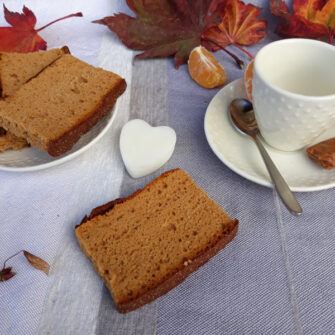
pixel 243 118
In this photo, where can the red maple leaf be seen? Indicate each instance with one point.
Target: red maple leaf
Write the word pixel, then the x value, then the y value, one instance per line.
pixel 22 35
pixel 163 27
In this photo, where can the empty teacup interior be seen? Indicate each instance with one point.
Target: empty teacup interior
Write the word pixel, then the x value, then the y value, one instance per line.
pixel 299 66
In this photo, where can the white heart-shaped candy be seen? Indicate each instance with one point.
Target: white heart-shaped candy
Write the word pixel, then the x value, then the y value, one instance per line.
pixel 144 149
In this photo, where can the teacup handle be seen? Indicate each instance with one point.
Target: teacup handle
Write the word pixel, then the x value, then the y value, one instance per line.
pixel 280 184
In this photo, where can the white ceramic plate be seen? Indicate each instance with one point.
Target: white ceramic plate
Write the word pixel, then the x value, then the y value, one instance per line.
pixel 32 159
pixel 241 155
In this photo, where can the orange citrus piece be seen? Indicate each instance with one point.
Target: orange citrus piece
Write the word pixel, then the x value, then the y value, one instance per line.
pixel 205 69
pixel 248 74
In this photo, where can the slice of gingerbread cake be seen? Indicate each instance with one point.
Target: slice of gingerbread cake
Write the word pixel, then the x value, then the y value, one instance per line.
pixel 144 245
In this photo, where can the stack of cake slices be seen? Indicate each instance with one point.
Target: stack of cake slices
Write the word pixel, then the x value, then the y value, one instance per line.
pixel 50 99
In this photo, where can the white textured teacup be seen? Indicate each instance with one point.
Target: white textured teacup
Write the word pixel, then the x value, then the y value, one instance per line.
pixel 294 91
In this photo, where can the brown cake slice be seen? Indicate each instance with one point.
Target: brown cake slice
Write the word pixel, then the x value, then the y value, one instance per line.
pixel 15 70
pixel 144 245
pixel 54 109
pixel 10 141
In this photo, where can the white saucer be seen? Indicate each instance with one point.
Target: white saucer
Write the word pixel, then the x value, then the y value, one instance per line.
pixel 241 155
pixel 32 159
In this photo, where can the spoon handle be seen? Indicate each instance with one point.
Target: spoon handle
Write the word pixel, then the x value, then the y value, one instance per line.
pixel 281 186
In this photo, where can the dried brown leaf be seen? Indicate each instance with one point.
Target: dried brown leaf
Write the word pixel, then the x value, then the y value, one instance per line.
pixel 6 273
pixel 37 262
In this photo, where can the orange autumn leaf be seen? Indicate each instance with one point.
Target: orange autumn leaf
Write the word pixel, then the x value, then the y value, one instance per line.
pixel 307 8
pixel 310 18
pixel 326 16
pixel 240 25
pixel 22 35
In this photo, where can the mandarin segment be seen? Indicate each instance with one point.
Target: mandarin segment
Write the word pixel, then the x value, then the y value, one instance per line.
pixel 248 74
pixel 204 69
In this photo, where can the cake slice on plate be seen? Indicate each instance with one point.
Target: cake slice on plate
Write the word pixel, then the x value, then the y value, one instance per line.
pixel 10 141
pixel 15 70
pixel 55 108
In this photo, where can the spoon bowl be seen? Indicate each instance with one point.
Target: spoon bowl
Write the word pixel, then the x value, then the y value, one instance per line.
pixel 242 116
pixel 243 119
